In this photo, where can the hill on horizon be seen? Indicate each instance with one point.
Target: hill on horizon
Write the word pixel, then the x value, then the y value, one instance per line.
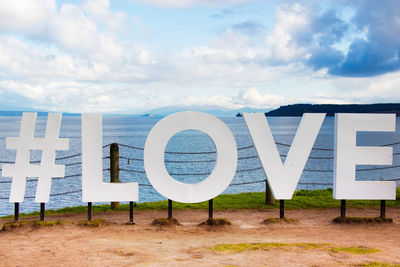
pixel 296 110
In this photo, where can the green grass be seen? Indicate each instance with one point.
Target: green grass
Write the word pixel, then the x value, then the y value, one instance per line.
pixel 13 225
pixel 302 199
pixel 355 250
pixel 240 247
pixel 377 264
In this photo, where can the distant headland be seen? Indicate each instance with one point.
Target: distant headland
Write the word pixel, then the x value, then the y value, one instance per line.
pixel 330 109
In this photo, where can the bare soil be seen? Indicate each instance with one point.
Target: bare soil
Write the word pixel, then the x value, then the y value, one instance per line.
pixel 188 244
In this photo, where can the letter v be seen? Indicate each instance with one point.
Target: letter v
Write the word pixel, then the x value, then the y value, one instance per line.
pixel 283 178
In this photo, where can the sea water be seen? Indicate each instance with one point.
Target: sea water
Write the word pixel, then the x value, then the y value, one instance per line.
pixel 131 132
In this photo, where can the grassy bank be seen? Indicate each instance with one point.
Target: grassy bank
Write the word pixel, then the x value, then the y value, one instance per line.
pixel 302 199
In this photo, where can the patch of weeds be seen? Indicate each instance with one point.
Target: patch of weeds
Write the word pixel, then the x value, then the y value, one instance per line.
pixel 278 220
pixel 93 223
pixel 355 250
pixel 165 221
pixel 264 246
pixel 216 222
pixel 240 247
pixel 351 220
pixel 18 224
pixel 376 264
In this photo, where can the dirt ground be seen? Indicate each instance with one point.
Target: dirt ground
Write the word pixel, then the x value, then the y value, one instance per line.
pixel 143 244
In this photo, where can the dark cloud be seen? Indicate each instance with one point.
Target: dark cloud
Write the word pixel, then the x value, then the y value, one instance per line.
pixel 377 53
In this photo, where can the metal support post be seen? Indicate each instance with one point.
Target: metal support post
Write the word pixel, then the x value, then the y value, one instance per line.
pixel 16 211
pixel 42 210
pixel 131 221
pixel 210 209
pixel 343 208
pixel 89 211
pixel 169 209
pixel 383 208
pixel 281 209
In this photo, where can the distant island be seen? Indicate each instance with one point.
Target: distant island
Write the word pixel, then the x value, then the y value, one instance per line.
pixel 330 109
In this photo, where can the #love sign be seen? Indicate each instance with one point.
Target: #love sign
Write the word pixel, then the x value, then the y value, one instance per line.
pixel 281 177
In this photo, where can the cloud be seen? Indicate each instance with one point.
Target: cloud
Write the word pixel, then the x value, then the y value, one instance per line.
pixel 191 3
pixel 302 33
pixel 249 28
pixel 253 98
pixel 25 15
pixel 379 52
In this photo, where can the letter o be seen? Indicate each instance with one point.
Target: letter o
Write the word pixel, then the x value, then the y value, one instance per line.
pixel 224 169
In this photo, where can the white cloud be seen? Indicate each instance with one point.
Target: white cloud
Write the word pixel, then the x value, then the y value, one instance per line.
pixel 76 57
pixel 25 15
pixel 191 3
pixel 99 10
pixel 290 20
pixel 253 98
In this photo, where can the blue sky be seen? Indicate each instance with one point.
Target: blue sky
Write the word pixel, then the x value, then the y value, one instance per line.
pixel 130 56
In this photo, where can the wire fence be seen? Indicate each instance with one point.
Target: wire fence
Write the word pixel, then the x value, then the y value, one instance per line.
pixel 240 158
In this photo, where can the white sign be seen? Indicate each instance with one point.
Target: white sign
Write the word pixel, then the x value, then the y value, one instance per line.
pixel 225 166
pixel 22 168
pixel 93 187
pixel 348 155
pixel 282 177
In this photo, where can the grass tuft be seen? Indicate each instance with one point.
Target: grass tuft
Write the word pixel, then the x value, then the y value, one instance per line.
pixel 355 250
pixel 278 220
pixel 165 222
pixel 216 222
pixel 351 220
pixel 376 264
pixel 13 225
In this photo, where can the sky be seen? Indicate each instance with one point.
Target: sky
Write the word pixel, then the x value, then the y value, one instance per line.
pixel 131 56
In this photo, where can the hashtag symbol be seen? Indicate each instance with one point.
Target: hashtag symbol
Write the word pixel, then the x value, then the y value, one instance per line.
pixel 22 168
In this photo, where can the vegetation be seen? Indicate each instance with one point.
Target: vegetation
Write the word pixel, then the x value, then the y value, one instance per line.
pixel 377 264
pixel 331 109
pixel 302 199
pixel 355 250
pixel 350 220
pixel 278 220
pixel 13 225
pixel 235 248
pixel 216 222
pixel 165 221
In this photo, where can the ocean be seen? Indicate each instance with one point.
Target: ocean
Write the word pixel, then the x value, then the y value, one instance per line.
pixel 131 133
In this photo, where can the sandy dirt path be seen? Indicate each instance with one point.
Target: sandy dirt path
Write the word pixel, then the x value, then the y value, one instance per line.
pixel 142 244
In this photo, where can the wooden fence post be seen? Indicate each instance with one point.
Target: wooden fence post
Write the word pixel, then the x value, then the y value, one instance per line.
pixel 114 169
pixel 269 198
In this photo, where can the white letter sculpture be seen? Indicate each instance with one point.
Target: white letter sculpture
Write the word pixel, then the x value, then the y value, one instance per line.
pixel 22 167
pixel 283 178
pixel 348 155
pixel 93 188
pixel 220 177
